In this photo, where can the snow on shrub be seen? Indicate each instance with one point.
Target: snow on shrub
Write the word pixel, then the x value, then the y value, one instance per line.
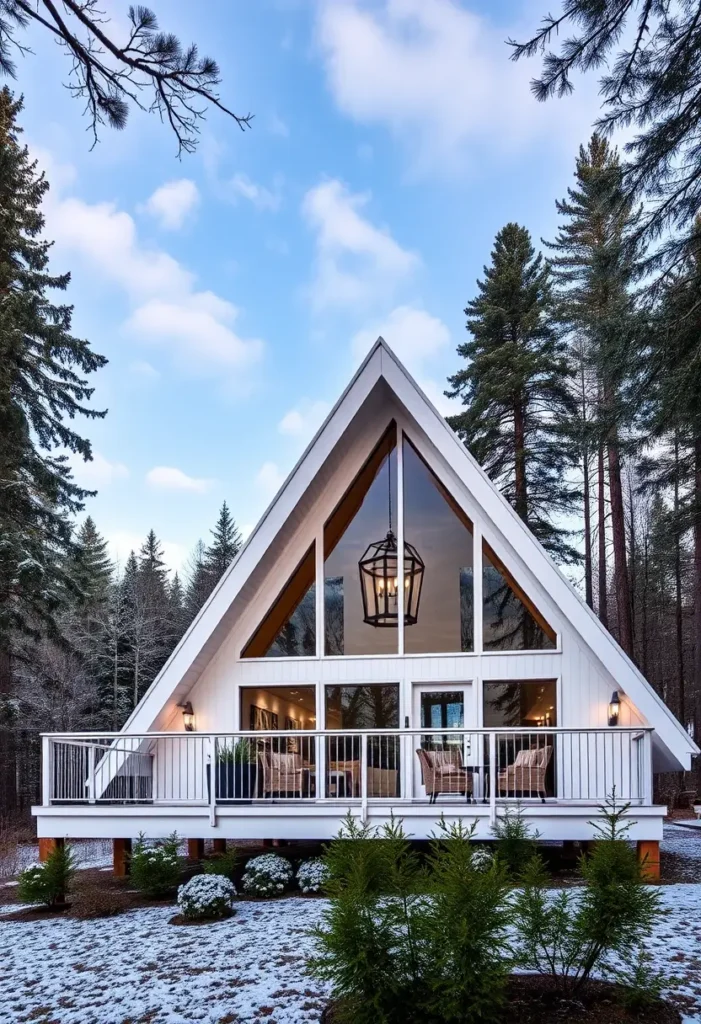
pixel 206 896
pixel 155 870
pixel 312 875
pixel 482 858
pixel 267 875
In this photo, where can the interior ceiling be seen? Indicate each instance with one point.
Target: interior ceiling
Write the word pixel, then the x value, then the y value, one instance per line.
pixel 303 697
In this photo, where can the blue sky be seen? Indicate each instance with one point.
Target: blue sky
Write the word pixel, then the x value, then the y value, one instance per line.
pixel 235 291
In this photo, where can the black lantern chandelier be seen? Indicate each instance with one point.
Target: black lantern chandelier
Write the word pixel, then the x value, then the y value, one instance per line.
pixel 379 577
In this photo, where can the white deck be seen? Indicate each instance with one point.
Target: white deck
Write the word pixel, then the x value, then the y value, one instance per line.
pixel 118 785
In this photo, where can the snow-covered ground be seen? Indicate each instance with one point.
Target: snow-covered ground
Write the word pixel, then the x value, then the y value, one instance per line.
pixel 140 969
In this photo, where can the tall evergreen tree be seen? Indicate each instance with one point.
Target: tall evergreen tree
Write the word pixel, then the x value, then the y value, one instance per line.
pixel 198 581
pixel 42 387
pixel 92 567
pixel 515 388
pixel 224 547
pixel 593 265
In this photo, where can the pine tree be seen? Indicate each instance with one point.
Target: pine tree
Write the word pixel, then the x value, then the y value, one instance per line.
pixel 593 265
pixel 198 582
pixel 176 609
pixel 652 84
pixel 92 568
pixel 224 547
pixel 515 386
pixel 42 386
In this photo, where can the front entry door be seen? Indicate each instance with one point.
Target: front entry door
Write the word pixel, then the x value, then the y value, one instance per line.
pixel 441 706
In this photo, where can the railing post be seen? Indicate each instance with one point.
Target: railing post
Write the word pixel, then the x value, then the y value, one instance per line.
pixel 492 778
pixel 91 774
pixel 364 777
pixel 212 779
pixel 647 762
pixel 46 771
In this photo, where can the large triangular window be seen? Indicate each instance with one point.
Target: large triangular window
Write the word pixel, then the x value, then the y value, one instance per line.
pixel 510 619
pixel 289 628
pixel 357 550
pixel 436 526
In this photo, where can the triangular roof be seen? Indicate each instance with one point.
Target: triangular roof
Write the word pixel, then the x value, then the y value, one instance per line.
pixel 204 635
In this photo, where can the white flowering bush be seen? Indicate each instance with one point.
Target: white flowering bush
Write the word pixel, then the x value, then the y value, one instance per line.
pixel 206 897
pixel 267 875
pixel 482 858
pixel 312 875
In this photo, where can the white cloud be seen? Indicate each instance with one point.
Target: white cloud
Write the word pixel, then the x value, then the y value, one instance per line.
pixel 166 305
pixel 122 542
pixel 418 339
pixel 305 419
pixel 356 262
pixel 413 334
pixel 262 198
pixel 270 478
pixel 171 203
pixel 98 473
pixel 438 76
pixel 169 478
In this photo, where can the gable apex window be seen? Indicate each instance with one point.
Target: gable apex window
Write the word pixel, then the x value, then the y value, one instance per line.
pixel 511 621
pixel 379 576
pixel 289 628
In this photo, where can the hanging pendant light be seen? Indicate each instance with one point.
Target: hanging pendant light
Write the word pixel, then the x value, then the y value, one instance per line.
pixel 379 576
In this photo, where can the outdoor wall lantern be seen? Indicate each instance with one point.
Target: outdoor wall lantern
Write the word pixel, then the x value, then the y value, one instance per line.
pixel 614 708
pixel 379 575
pixel 188 716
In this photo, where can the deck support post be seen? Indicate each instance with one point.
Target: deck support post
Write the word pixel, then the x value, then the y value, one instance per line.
pixel 47 847
pixel 121 857
pixel 219 845
pixel 195 849
pixel 649 859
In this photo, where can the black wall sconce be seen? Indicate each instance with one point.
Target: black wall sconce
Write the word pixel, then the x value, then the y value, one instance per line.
pixel 614 708
pixel 188 716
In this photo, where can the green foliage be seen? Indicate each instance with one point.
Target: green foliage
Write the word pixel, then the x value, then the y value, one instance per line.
pixel 47 883
pixel 404 943
pixel 156 869
pixel 465 924
pixel 241 752
pixel 514 386
pixel 571 934
pixel 221 864
pixel 516 842
pixel 641 984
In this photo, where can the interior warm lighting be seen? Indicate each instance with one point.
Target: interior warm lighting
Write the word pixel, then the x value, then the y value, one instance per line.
pixel 614 708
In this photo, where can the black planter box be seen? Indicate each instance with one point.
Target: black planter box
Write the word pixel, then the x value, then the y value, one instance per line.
pixel 236 783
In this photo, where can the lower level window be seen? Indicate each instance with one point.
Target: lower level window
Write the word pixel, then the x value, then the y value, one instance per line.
pixel 530 704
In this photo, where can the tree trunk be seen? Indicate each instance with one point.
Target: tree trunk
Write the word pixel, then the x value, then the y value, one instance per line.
pixel 601 515
pixel 521 493
pixel 618 531
pixel 678 607
pixel 697 589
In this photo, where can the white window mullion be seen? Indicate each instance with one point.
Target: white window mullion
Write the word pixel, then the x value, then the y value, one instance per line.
pixel 319 576
pixel 400 539
pixel 477 578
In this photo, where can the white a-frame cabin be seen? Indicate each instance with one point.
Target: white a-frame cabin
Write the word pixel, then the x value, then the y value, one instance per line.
pixel 390 639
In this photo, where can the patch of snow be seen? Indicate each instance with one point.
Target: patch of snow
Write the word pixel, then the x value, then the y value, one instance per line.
pixel 252 966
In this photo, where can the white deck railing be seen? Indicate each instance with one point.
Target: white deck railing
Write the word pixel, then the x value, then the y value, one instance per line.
pixel 552 765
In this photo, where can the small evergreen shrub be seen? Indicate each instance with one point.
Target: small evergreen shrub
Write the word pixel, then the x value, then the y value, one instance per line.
pixel 267 875
pixel 221 864
pixel 156 869
pixel 312 875
pixel 573 934
pixel 516 842
pixel 206 897
pixel 47 883
pixel 403 943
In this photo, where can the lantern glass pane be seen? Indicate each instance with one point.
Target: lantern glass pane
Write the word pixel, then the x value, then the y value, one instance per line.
pixel 438 597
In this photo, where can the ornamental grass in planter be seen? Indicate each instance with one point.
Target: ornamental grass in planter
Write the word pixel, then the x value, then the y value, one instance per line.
pixel 439 943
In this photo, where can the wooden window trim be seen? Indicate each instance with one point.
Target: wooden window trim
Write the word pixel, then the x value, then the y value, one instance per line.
pixel 284 606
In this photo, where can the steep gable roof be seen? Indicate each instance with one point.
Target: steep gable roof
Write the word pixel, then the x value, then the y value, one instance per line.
pixel 204 635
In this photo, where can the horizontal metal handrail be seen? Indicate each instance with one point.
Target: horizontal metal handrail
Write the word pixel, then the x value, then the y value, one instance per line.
pixel 413 731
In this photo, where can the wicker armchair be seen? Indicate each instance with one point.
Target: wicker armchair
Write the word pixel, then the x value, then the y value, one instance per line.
pixel 527 773
pixel 280 773
pixel 442 772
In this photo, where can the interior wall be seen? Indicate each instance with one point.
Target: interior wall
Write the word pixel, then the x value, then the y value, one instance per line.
pixel 275 700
